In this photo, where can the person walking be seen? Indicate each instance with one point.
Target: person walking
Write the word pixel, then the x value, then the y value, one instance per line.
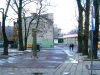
pixel 38 47
pixel 72 46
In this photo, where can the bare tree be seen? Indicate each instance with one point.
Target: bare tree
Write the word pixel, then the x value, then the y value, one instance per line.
pixel 86 30
pixel 80 25
pixel 17 6
pixel 96 6
pixel 39 24
pixel 4 15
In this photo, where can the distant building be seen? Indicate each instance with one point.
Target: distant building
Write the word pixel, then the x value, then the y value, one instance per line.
pixel 57 36
pixel 57 32
pixel 9 32
pixel 70 39
pixel 45 29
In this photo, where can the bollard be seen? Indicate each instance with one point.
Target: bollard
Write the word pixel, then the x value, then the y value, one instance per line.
pixel 31 56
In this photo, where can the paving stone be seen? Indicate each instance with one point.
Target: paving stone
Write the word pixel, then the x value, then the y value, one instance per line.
pixel 39 66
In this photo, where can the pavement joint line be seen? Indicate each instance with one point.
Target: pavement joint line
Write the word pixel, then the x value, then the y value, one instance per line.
pixel 76 66
pixel 60 66
pixel 76 56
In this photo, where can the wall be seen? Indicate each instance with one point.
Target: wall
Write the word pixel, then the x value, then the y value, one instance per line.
pixel 44 33
pixel 71 40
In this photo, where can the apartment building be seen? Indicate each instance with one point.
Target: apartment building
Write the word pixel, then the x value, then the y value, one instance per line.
pixel 44 31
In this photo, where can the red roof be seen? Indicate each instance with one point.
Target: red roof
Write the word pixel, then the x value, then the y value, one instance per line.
pixel 70 35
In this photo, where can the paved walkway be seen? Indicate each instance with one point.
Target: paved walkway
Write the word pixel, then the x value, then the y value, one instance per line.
pixel 78 67
pixel 73 65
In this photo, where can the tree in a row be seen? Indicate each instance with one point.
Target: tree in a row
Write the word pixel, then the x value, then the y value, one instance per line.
pixel 84 23
pixel 19 6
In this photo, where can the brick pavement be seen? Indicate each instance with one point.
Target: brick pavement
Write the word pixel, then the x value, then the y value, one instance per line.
pixel 67 67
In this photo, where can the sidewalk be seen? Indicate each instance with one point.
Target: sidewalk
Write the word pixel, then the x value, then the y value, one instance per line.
pixel 46 64
pixel 78 67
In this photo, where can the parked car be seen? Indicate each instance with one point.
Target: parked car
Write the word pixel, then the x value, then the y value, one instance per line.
pixel 98 45
pixel 29 45
pixel 1 44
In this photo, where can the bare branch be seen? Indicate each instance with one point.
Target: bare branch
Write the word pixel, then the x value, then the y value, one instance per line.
pixel 12 7
pixel 16 4
pixel 39 13
pixel 38 17
pixel 24 4
pixel 31 22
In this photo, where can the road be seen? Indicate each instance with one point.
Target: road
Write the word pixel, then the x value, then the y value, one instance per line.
pixel 56 55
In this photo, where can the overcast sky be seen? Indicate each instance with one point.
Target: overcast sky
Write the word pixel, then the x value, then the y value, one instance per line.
pixel 64 13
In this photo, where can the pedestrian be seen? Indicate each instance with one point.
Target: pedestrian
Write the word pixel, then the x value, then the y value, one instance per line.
pixel 38 47
pixel 72 46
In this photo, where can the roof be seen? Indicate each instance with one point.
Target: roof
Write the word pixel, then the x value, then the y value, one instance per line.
pixel 70 35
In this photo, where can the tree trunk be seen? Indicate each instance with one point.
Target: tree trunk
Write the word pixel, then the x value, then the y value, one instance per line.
pixel 5 52
pixel 25 40
pixel 85 47
pixel 5 48
pixel 34 48
pixel 96 5
pixel 25 37
pixel 80 26
pixel 5 37
pixel 20 26
pixel 86 32
pixel 35 31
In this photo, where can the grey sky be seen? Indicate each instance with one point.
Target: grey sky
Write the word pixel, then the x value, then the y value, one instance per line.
pixel 64 13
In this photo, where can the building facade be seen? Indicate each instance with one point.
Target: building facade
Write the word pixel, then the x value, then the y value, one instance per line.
pixel 57 35
pixel 70 39
pixel 44 30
